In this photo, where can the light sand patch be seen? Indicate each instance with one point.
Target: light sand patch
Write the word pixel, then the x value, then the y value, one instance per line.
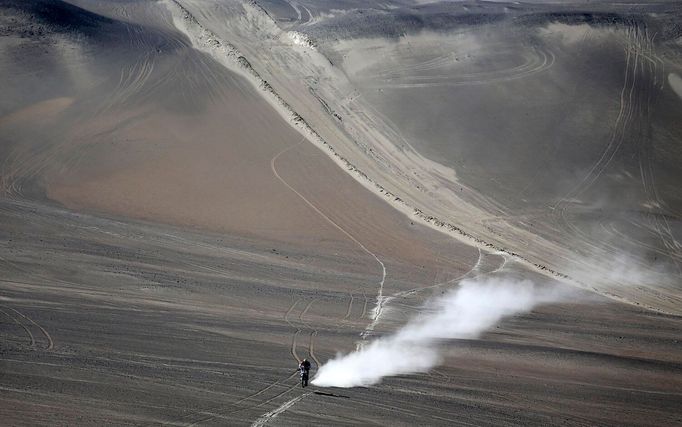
pixel 38 112
pixel 209 171
pixel 566 34
pixel 426 53
pixel 675 83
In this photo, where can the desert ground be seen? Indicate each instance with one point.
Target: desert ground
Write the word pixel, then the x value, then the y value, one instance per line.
pixel 197 194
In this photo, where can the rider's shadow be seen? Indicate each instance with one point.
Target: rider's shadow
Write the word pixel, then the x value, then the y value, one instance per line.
pixel 321 393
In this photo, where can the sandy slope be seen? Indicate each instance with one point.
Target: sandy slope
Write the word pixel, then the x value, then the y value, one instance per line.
pixel 329 91
pixel 153 324
pixel 170 247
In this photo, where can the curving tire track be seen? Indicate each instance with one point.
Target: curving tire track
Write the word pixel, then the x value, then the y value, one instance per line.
pixel 620 125
pixel 642 73
pixel 378 309
pixel 16 318
pixel 265 418
pixel 222 412
pixel 658 220
pixel 627 106
pixel 543 61
pixel 413 291
pixel 311 350
pixel 311 347
pixel 50 342
pixel 616 136
pixel 28 332
pixel 364 305
pixel 350 307
pixel 474 272
pixel 295 335
pixel 313 333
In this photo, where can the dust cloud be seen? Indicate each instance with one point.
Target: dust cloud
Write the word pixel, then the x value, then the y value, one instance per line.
pixel 465 312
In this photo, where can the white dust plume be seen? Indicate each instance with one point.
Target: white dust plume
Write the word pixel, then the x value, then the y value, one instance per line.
pixel 465 312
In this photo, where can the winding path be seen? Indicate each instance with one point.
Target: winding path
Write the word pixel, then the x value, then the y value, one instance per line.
pixel 378 308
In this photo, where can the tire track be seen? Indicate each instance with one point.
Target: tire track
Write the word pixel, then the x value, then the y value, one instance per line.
pixel 28 332
pixel 613 229
pixel 311 348
pixel 364 306
pixel 294 353
pixel 413 291
pixel 419 411
pixel 313 333
pixel 50 344
pixel 617 138
pixel 542 62
pixel 294 343
pixel 621 122
pixel 306 325
pixel 295 335
pixel 350 307
pixel 378 309
pixel 265 418
pixel 357 298
pixel 263 390
pixel 659 221
pixel 472 273
pixel 634 112
pixel 474 269
pixel 224 414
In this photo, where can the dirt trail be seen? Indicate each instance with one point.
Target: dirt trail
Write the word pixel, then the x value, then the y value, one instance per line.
pixel 380 300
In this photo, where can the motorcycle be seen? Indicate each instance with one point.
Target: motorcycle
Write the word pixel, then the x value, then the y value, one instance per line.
pixel 304 378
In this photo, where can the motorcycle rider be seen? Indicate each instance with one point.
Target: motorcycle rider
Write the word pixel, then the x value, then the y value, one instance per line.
pixel 304 367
